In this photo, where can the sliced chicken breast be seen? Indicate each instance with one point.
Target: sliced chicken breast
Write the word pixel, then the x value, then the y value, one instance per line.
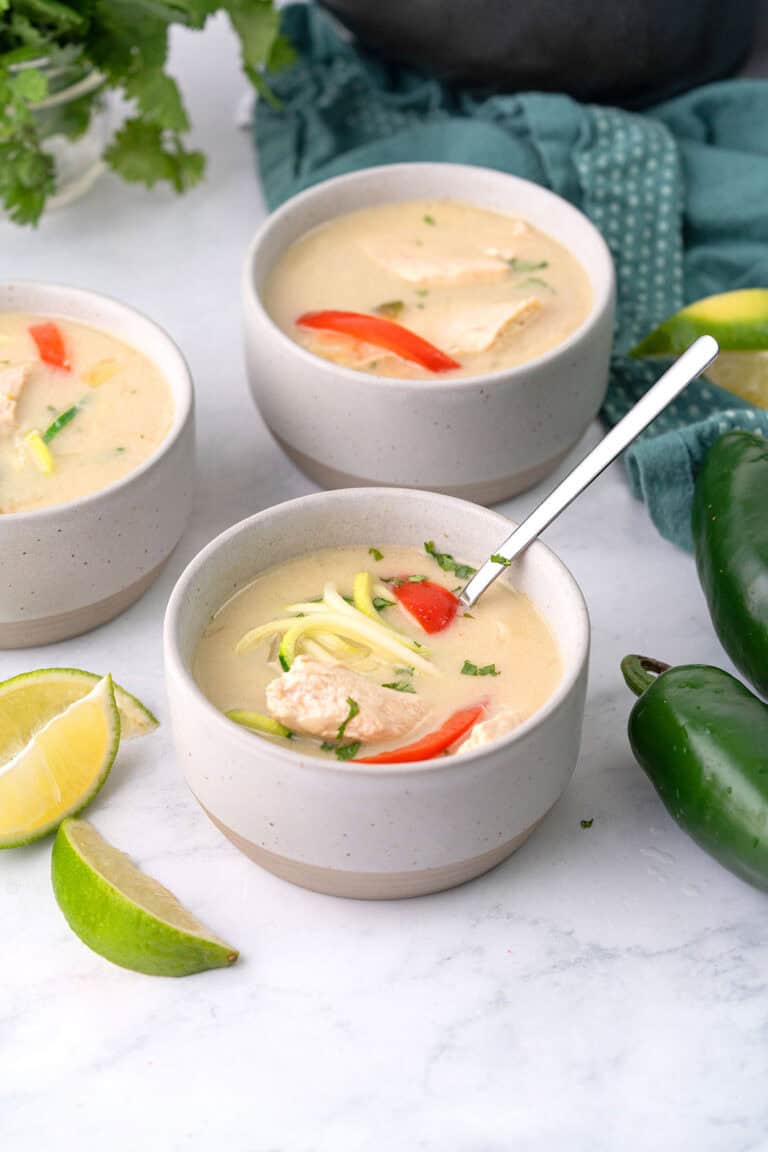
pixel 416 265
pixel 13 377
pixel 476 328
pixel 313 697
pixel 487 730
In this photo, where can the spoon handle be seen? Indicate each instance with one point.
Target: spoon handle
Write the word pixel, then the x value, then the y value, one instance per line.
pixel 690 365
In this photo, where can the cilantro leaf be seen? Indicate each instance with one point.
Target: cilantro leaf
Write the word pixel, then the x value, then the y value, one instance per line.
pixel 127 42
pixel 348 751
pixel 497 558
pixel 354 709
pixel 470 669
pixel 142 152
pixel 343 751
pixel 526 265
pixel 390 309
pixel 377 555
pixel 158 99
pixel 446 561
pixel 400 686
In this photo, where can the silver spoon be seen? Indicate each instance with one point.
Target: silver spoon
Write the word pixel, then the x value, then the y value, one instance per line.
pixel 690 365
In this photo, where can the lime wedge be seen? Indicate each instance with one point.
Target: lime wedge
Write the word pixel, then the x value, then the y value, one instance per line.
pixel 125 915
pixel 53 764
pixel 31 699
pixel 743 373
pixel 737 320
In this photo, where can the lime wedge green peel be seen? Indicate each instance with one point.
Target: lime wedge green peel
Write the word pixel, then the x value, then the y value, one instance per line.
pixel 34 697
pixel 53 763
pixel 737 320
pixel 125 915
pixel 739 323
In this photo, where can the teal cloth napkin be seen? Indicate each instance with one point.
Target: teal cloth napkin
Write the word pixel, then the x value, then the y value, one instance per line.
pixel 680 194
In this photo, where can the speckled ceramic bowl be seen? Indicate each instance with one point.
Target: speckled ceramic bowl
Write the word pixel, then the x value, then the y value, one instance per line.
pixel 363 830
pixel 68 568
pixel 480 437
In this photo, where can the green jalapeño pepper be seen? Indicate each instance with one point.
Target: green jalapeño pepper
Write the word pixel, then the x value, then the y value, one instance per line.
pixel 702 739
pixel 730 533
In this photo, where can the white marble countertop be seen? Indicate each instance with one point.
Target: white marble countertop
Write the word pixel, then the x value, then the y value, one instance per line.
pixel 604 989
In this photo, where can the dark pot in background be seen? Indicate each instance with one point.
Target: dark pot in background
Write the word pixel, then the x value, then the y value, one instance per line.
pixel 630 52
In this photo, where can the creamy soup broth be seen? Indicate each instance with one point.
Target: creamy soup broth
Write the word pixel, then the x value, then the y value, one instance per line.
pixel 490 290
pixel 117 409
pixel 504 631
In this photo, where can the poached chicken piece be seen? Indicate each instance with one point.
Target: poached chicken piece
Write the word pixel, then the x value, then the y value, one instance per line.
pixel 13 377
pixel 313 697
pixel 488 730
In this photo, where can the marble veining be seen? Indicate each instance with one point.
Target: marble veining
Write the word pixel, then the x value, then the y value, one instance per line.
pixel 603 990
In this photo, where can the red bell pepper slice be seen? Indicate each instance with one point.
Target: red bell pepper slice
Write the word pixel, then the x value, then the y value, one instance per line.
pixel 50 344
pixel 433 743
pixel 384 334
pixel 433 605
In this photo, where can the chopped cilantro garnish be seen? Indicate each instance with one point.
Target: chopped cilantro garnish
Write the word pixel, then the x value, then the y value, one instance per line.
pixel 377 555
pixel 537 280
pixel 343 751
pixel 587 823
pixel 354 708
pixel 380 603
pixel 467 616
pixel 526 265
pixel 400 686
pixel 348 751
pixel 470 669
pixel 397 581
pixel 390 308
pixel 497 558
pixel 446 561
pixel 429 220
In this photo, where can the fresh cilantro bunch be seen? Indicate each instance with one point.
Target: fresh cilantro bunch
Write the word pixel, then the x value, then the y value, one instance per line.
pixel 126 41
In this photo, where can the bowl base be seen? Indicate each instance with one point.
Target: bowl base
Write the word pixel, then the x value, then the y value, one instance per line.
pixel 65 625
pixel 372 885
pixel 486 492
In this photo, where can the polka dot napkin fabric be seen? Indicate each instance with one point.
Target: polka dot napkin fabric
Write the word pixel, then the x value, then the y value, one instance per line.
pixel 679 193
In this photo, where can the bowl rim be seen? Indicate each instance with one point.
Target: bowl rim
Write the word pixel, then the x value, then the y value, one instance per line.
pixel 176 666
pixel 183 406
pixel 602 302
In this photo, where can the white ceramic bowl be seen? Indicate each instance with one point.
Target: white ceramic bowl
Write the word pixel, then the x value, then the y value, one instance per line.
pixel 481 437
pixel 68 568
pixel 359 829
